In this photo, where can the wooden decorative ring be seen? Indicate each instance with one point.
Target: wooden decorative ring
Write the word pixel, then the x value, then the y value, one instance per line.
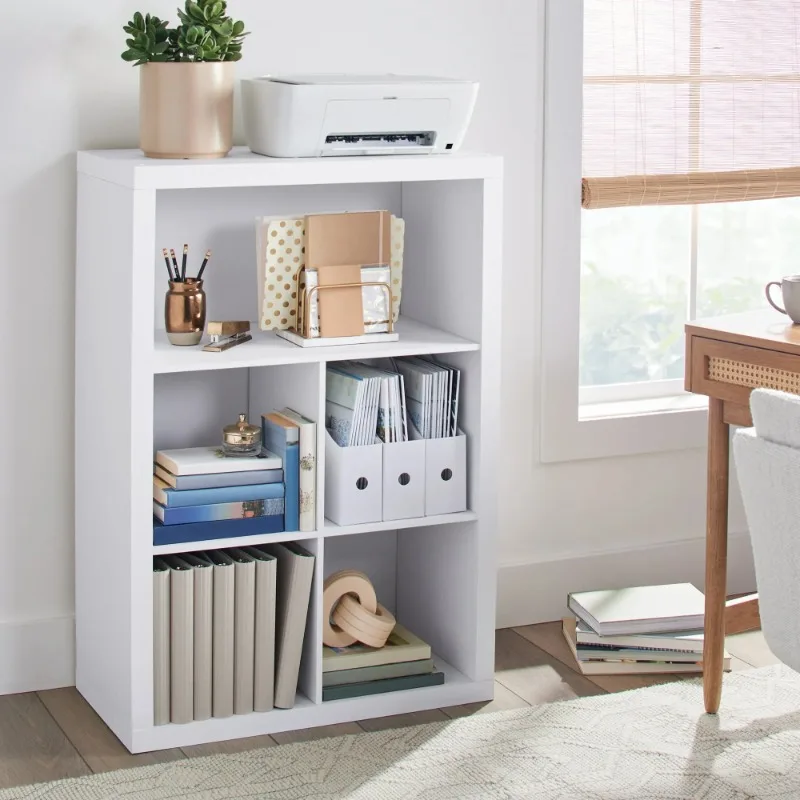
pixel 365 619
pixel 339 585
pixel 370 636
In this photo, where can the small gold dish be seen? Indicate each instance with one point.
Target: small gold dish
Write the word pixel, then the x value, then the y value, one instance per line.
pixel 241 439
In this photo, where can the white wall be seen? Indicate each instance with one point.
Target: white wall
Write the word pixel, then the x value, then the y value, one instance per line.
pixel 68 90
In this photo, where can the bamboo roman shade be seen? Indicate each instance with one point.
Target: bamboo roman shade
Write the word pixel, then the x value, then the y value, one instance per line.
pixel 690 101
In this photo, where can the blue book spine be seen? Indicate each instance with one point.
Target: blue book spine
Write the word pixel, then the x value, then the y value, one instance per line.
pixel 292 470
pixel 219 479
pixel 174 498
pixel 218 511
pixel 220 529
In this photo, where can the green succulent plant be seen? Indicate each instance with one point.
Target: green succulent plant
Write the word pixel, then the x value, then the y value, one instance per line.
pixel 205 33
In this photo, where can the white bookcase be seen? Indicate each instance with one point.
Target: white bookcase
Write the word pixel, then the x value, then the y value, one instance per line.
pixel 135 394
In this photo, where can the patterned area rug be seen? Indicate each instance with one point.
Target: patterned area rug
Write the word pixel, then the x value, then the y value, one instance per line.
pixel 648 744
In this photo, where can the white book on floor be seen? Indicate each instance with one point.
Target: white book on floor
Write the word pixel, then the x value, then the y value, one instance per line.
pixel 264 661
pixel 181 591
pixel 222 647
pixel 161 646
pixel 687 641
pixel 640 609
pixel 244 630
pixel 203 632
pixel 295 574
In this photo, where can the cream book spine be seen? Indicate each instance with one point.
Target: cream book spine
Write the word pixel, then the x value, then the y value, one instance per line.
pixel 308 468
pixel 295 575
pixel 244 630
pixel 181 587
pixel 222 647
pixel 161 611
pixel 203 631
pixel 266 588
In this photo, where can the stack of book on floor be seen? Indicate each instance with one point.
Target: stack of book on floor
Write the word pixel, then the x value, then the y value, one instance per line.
pixel 198 494
pixel 228 630
pixel 404 662
pixel 644 629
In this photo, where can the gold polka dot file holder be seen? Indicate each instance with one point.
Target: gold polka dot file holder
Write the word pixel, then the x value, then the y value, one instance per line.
pixel 284 276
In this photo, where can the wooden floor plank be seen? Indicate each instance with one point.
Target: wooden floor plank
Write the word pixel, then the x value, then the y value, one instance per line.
pixel 403 720
pixel 92 738
pixel 504 700
pixel 33 748
pixel 230 747
pixel 322 732
pixel 533 674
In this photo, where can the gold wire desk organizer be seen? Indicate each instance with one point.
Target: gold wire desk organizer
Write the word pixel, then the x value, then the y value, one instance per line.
pixel 305 339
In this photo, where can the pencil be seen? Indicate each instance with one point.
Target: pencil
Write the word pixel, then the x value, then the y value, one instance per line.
pixel 166 261
pixel 183 262
pixel 175 264
pixel 203 265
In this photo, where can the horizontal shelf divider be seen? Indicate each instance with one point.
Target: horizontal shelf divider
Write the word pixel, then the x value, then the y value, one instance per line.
pixel 235 541
pixel 457 689
pixel 268 349
pixel 332 529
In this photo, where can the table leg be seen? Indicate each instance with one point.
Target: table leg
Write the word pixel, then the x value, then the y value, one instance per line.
pixel 716 555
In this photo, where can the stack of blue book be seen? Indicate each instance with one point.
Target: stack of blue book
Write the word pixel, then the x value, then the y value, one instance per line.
pixel 198 494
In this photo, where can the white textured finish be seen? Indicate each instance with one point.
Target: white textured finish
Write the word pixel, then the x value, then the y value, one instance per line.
pixel 267 349
pixel 37 654
pixel 536 591
pixel 652 743
pixel 437 575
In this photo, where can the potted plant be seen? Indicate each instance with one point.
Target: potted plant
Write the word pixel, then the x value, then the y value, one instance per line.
pixel 186 80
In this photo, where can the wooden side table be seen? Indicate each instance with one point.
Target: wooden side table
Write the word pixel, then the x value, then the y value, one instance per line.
pixel 726 358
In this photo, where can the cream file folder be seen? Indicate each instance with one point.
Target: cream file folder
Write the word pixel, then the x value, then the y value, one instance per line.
pixel 181 586
pixel 161 610
pixel 203 614
pixel 295 574
pixel 266 585
pixel 244 630
pixel 222 633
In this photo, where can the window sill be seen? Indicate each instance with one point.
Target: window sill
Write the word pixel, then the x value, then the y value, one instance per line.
pixel 646 406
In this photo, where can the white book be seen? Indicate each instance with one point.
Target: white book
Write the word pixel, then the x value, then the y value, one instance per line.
pixel 181 591
pixel 640 609
pixel 203 631
pixel 222 633
pixel 264 657
pixel 161 642
pixel 207 460
pixel 688 642
pixel 295 575
pixel 308 468
pixel 244 623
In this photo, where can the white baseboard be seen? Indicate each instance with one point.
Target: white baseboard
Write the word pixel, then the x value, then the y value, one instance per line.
pixel 37 654
pixel 537 592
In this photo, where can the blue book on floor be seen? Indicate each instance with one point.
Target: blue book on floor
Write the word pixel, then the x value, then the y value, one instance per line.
pixel 219 529
pixel 282 437
pixel 174 498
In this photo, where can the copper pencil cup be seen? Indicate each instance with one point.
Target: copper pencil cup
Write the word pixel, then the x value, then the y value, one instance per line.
pixel 185 312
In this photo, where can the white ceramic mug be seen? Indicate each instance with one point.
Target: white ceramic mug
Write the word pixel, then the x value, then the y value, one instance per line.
pixel 790 288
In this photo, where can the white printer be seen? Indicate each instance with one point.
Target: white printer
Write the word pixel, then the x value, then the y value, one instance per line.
pixel 347 115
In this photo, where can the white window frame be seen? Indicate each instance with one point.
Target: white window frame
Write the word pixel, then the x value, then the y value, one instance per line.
pixel 570 430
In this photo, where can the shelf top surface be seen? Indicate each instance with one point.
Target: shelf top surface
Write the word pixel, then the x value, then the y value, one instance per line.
pixel 268 349
pixel 241 168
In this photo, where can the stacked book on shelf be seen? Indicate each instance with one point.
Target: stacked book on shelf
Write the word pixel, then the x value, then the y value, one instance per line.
pixel 199 493
pixel 644 629
pixel 228 629
pixel 404 662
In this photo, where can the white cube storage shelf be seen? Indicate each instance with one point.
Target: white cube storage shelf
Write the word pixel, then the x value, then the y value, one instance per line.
pixel 135 394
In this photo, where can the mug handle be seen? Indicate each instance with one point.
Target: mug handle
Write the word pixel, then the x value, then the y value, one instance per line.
pixel 770 300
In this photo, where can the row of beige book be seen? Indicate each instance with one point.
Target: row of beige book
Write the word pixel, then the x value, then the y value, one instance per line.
pixel 643 629
pixel 228 630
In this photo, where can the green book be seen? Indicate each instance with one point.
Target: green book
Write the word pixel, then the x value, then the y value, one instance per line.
pixel 402 645
pixel 381 687
pixel 365 674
